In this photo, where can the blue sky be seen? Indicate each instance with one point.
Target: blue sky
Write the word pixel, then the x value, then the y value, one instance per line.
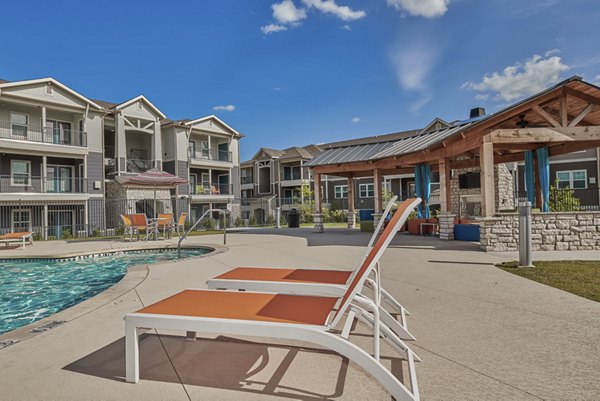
pixel 294 72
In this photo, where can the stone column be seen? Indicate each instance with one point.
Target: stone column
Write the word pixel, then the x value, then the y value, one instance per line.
pixel 351 219
pixel 446 221
pixel 376 218
pixel 486 159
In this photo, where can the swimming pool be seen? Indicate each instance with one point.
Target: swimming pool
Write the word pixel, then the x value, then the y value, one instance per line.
pixel 32 289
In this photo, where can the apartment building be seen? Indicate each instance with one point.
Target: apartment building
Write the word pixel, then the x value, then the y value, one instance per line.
pixel 64 158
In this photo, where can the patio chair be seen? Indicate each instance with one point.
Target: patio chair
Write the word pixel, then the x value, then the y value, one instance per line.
pixel 181 224
pixel 140 224
pixel 323 282
pixel 127 226
pixel 166 223
pixel 22 237
pixel 214 190
pixel 285 316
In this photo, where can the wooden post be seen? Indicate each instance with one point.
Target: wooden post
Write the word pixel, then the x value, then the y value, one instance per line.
pixel 445 193
pixel 377 190
pixel 318 216
pixel 486 160
pixel 351 212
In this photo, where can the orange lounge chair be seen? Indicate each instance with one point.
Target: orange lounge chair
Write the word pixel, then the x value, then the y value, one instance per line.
pixel 181 224
pixel 294 317
pixel 21 237
pixel 166 223
pixel 139 223
pixel 320 282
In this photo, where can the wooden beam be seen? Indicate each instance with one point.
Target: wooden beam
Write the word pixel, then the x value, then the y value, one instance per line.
pixel 545 135
pixel 582 96
pixel 581 115
pixel 486 159
pixel 563 110
pixel 546 116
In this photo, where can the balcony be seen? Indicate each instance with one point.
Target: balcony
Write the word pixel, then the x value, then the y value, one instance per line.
pixel 40 185
pixel 212 189
pixel 32 133
pixel 210 154
pixel 138 166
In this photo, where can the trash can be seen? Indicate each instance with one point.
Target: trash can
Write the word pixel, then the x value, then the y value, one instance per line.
pixel 366 214
pixel 293 218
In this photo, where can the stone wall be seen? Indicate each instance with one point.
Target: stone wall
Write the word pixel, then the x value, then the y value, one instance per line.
pixel 503 184
pixel 549 231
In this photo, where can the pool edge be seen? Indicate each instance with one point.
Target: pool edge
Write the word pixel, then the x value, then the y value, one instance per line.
pixel 135 276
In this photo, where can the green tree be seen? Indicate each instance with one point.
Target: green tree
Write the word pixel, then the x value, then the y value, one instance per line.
pixel 563 199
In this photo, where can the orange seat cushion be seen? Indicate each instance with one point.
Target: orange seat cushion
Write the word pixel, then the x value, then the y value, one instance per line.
pixel 15 235
pixel 287 275
pixel 281 308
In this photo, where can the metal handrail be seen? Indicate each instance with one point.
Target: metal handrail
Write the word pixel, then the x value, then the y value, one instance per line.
pixel 220 211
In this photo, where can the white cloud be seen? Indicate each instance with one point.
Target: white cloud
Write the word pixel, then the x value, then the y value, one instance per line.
pixel 286 12
pixel 272 28
pixel 413 65
pixel 520 80
pixel 330 7
pixel 346 27
pixel 228 107
pixel 421 8
pixel 552 52
pixel 597 80
pixel 482 97
pixel 355 120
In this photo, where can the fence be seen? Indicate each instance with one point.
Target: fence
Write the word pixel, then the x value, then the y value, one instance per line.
pixel 61 135
pixel 568 200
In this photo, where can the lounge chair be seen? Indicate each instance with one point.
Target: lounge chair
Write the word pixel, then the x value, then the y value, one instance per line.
pixel 127 226
pixel 139 223
pixel 22 237
pixel 322 282
pixel 165 223
pixel 181 224
pixel 294 317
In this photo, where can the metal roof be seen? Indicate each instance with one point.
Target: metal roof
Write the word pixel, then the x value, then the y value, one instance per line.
pixel 374 151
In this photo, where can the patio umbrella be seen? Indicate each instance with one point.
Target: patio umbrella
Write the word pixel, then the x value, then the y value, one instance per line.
pixel 157 179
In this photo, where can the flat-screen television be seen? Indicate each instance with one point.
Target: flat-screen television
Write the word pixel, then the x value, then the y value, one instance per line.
pixel 469 180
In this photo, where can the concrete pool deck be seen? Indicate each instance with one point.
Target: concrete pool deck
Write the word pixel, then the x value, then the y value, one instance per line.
pixel 483 334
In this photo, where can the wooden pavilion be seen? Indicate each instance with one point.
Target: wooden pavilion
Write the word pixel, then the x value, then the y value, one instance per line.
pixel 563 119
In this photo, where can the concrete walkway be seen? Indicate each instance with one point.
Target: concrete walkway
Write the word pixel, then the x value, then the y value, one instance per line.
pixel 483 334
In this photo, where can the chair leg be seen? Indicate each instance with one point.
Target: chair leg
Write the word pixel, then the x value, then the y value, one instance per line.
pixel 132 353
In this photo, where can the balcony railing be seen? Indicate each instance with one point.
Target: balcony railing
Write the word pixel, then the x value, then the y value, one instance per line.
pixel 38 134
pixel 246 180
pixel 22 183
pixel 211 189
pixel 138 166
pixel 210 154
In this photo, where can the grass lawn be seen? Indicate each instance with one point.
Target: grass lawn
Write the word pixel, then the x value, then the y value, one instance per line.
pixel 579 277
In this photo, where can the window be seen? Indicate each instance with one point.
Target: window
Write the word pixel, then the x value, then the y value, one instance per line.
pixel 366 190
pixel 21 220
pixel 192 150
pixel 291 173
pixel 341 191
pixel 576 179
pixel 434 180
pixel 59 178
pixel 20 172
pixel 48 89
pixel 60 131
pixel 204 148
pixel 18 124
pixel 193 183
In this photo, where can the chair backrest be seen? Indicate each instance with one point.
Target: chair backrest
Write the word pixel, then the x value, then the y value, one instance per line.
pixel 126 219
pixel 388 209
pixel 374 255
pixel 181 220
pixel 165 219
pixel 139 220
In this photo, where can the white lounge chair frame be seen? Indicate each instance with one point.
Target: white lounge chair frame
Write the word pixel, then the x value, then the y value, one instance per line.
pixel 23 240
pixel 399 326
pixel 322 335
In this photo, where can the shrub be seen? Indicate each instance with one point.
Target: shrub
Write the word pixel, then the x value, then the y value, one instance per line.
pixel 270 220
pixel 252 221
pixel 238 222
pixel 208 224
pixel 563 200
pixel 37 236
pixel 95 233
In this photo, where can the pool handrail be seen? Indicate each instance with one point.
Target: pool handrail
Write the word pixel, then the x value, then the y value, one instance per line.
pixel 222 212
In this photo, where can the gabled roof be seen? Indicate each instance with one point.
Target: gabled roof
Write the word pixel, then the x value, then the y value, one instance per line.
pixel 138 98
pixel 211 117
pixel 432 124
pixel 419 142
pixel 296 152
pixel 9 84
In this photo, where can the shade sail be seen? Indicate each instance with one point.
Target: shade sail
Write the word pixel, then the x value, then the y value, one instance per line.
pixel 154 178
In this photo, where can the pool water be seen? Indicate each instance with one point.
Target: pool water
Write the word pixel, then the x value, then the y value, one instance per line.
pixel 33 289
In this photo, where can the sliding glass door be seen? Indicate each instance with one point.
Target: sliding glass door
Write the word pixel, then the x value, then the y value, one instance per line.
pixel 59 179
